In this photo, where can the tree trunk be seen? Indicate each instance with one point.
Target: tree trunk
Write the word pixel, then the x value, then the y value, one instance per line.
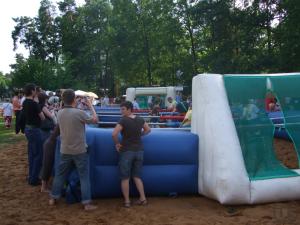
pixel 106 69
pixel 191 36
pixel 146 43
pixel 147 54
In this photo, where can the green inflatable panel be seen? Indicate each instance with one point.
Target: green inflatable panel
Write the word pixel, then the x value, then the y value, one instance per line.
pixel 246 95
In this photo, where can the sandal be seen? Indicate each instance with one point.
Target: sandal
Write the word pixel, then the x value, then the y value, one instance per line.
pixel 230 211
pixel 141 202
pixel 46 190
pixel 52 201
pixel 89 207
pixel 127 204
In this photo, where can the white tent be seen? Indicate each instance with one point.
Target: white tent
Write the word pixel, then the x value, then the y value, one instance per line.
pixel 81 93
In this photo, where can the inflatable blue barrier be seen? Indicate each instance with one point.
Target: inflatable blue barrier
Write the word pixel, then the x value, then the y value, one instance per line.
pixel 169 113
pixel 109 118
pixel 277 119
pixel 106 108
pixel 281 133
pixel 173 124
pixel 170 164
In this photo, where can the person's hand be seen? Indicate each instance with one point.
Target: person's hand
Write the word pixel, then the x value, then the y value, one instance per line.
pixel 118 147
pixel 89 102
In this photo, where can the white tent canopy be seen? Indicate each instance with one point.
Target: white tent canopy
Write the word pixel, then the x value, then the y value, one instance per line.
pixel 81 93
pixel 92 95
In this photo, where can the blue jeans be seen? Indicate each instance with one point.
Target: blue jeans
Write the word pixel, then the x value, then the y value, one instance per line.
pixel 81 162
pixel 130 164
pixel 35 154
pixel 45 135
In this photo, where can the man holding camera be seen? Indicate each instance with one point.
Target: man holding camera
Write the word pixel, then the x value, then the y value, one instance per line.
pixel 73 150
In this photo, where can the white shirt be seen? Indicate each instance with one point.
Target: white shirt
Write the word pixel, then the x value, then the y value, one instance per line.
pixel 136 105
pixel 7 109
pixel 22 100
pixel 53 99
pixel 106 101
pixel 250 112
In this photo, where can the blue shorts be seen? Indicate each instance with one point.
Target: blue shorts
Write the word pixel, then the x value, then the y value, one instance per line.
pixel 130 164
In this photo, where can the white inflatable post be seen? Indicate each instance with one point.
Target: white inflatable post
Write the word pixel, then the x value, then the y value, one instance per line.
pixel 130 94
pixel 222 172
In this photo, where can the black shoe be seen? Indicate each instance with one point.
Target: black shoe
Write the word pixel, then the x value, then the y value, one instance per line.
pixel 35 183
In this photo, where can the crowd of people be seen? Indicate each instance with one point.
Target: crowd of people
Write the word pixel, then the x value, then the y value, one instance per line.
pixel 43 117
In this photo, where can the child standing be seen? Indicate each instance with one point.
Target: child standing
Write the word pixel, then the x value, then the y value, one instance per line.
pixel 7 113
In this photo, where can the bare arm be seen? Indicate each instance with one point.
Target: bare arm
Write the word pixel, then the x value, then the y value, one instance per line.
pixel 41 115
pixel 115 135
pixel 146 129
pixel 47 112
pixel 94 114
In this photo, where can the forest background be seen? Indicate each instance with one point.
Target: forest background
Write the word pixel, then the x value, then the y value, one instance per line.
pixel 109 45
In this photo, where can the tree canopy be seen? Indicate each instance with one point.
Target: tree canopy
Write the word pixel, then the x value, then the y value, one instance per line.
pixel 113 44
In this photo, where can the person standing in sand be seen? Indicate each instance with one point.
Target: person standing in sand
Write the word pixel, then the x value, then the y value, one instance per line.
pixel 73 150
pixel 130 150
pixel 33 115
pixel 7 113
pixel 17 107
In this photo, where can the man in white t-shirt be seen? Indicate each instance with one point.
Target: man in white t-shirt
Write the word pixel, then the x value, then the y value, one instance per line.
pixel 136 104
pixel 106 101
pixel 7 113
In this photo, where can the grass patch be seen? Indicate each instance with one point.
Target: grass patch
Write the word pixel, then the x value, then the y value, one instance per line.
pixel 8 136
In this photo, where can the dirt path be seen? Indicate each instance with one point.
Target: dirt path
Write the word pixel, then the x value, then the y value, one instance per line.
pixel 23 204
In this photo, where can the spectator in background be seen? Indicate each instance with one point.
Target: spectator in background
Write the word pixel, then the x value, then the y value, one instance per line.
pixel 178 97
pixel 16 101
pixel 48 124
pixel 135 104
pixel 48 159
pixel 172 104
pixel 38 90
pixel 7 113
pixel 250 111
pixel 182 106
pixel 106 101
pixel 189 100
pixel 187 119
pixel 150 102
pixel 270 102
pixel 158 100
pixel 155 112
pixel 22 99
pixel 53 99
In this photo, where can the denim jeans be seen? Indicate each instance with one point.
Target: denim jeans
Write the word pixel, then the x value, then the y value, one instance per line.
pixel 17 126
pixel 130 164
pixel 81 162
pixel 35 154
pixel 45 135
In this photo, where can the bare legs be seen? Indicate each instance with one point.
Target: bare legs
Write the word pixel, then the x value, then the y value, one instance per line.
pixel 125 190
pixel 140 187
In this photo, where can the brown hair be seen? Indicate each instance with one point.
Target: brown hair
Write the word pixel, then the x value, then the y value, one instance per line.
pixel 68 96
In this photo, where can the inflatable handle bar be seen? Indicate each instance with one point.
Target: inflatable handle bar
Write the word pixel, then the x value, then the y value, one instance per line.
pixel 112 123
pixel 172 118
pixel 116 113
pixel 160 117
pixel 149 110
pixel 121 116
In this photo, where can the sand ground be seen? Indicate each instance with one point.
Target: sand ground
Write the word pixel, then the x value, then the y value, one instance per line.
pixel 23 204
